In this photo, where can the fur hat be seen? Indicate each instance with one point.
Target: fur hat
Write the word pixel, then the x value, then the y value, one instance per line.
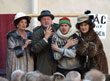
pixel 65 20
pixel 45 13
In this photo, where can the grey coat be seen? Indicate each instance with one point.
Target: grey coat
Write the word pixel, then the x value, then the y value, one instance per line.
pixel 17 58
pixel 44 61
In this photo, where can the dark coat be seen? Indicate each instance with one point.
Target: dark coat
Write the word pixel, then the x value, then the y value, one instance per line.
pixel 17 58
pixel 44 61
pixel 107 77
pixel 93 45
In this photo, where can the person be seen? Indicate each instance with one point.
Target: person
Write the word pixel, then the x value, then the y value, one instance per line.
pixel 3 79
pixel 57 76
pixel 18 48
pixel 16 75
pixel 41 43
pixel 94 75
pixel 44 78
pixel 31 76
pixel 64 47
pixel 91 48
pixel 73 76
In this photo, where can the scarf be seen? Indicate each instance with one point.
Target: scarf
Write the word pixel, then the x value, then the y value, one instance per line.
pixel 65 36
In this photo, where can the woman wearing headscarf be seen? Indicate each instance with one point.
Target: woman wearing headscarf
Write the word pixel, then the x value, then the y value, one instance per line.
pixel 18 48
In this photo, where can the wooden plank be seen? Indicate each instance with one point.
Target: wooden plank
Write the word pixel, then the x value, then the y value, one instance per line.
pixel 57 15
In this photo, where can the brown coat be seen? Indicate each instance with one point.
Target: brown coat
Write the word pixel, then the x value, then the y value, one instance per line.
pixel 96 53
pixel 23 62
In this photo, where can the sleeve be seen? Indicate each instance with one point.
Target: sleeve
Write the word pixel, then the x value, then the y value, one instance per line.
pixel 57 55
pixel 63 52
pixel 70 52
pixel 12 46
pixel 38 42
pixel 82 48
pixel 92 45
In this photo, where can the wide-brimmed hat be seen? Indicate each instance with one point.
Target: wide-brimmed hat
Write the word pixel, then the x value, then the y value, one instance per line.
pixel 82 18
pixel 19 16
pixel 45 13
pixel 65 20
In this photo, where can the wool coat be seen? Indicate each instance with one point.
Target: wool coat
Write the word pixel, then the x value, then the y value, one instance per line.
pixel 92 46
pixel 44 61
pixel 18 58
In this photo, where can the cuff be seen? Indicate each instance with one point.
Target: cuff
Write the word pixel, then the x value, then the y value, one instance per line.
pixel 45 40
pixel 61 51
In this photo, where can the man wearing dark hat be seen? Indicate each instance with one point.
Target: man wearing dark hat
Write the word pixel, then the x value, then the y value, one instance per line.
pixel 41 43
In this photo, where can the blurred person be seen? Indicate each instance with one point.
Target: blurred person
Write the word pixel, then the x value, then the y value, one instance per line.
pixel 16 75
pixel 44 78
pixel 73 76
pixel 94 75
pixel 18 46
pixel 3 79
pixel 57 76
pixel 32 76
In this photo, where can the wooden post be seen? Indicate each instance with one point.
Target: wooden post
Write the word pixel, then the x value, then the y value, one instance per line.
pixel 57 15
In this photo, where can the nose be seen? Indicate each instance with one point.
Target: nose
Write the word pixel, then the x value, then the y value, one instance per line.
pixel 24 23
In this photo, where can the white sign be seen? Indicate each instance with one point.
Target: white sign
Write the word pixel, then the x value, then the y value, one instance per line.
pixel 100 21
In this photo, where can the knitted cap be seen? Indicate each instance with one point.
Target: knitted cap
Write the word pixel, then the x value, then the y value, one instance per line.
pixel 65 20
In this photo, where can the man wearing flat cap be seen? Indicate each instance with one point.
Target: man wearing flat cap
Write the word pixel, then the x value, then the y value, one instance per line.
pixel 41 43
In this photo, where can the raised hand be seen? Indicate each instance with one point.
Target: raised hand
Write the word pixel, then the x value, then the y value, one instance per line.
pixel 27 43
pixel 71 42
pixel 48 33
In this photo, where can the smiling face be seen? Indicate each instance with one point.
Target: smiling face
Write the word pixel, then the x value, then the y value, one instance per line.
pixel 84 27
pixel 64 28
pixel 22 25
pixel 46 21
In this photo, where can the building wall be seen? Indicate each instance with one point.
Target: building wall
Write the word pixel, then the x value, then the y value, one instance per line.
pixel 12 6
pixel 63 6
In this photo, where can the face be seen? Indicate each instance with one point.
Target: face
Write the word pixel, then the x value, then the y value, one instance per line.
pixel 84 27
pixel 64 28
pixel 22 25
pixel 46 21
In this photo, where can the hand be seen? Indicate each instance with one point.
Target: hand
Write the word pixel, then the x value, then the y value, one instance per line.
pixel 48 33
pixel 55 46
pixel 27 43
pixel 71 42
